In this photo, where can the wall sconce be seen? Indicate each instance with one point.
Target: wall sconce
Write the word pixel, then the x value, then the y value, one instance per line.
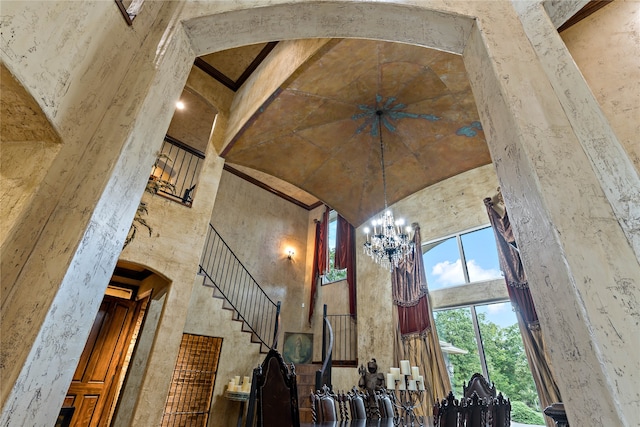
pixel 290 254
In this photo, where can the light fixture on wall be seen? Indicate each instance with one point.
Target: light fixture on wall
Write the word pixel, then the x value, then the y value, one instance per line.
pixel 290 253
pixel 389 243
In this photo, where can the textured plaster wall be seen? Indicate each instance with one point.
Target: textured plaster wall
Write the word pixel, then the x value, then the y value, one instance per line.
pixel 73 234
pixel 606 47
pixel 573 247
pixel 173 250
pixel 59 258
pixel 28 144
pixel 238 355
pixel 258 226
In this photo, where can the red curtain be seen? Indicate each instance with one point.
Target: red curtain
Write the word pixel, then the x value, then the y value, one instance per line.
pixel 346 257
pixel 409 291
pixel 510 263
pixel 319 258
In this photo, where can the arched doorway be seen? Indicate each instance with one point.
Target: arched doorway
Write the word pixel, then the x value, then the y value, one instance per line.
pixel 100 375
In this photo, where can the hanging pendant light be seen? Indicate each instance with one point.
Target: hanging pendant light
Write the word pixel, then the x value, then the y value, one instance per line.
pixel 388 242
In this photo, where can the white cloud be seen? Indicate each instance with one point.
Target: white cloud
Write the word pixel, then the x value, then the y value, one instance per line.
pixel 448 273
pixel 478 274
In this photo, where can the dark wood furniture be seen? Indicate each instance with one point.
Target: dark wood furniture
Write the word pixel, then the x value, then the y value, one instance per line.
pixel 479 407
pixel 324 405
pixel 276 393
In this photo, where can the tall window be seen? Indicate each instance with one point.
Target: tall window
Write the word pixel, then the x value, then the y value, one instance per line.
pixel 487 334
pixel 331 274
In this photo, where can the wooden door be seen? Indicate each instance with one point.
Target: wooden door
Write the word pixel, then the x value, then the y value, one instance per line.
pixel 93 386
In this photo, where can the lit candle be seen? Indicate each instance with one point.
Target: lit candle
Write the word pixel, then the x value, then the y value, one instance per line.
pixel 396 373
pixel 412 385
pixel 414 372
pixel 405 367
pixel 391 382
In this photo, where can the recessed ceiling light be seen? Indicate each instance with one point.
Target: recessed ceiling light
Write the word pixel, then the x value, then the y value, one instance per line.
pixel 180 105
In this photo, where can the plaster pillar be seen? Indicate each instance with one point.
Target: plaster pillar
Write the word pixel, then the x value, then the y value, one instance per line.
pixel 56 289
pixel 612 166
pixel 583 273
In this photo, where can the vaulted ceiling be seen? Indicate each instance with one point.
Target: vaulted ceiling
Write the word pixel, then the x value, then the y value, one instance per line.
pixel 321 132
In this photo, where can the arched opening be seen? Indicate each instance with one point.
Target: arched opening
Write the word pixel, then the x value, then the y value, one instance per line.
pixel 128 316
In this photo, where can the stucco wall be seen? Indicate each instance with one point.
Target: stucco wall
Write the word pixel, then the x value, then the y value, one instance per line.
pixel 259 226
pixel 606 47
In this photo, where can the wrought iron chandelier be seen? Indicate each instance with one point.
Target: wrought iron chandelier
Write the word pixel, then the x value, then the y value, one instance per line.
pixel 389 243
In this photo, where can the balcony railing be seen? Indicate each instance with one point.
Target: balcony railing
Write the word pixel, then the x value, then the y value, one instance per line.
pixel 345 339
pixel 175 173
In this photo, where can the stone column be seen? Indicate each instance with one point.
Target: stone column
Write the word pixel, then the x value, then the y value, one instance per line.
pixel 56 289
pixel 582 269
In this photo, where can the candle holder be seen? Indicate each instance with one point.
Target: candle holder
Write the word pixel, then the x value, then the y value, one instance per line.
pixel 408 386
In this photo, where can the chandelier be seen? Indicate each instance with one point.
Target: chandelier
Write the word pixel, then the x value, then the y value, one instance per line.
pixel 389 243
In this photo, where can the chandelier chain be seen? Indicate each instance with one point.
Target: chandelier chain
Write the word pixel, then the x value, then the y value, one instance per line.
pixel 384 175
pixel 388 244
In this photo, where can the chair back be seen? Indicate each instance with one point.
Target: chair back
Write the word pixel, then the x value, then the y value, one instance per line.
pixel 500 412
pixel 324 405
pixel 357 404
pixel 446 413
pixel 386 404
pixel 474 411
pixel 480 386
pixel 276 393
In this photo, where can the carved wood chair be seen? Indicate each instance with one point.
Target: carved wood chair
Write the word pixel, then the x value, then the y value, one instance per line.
pixel 324 405
pixel 446 412
pixel 473 411
pixel 276 393
pixel 386 403
pixel 357 404
pixel 480 385
pixel 499 414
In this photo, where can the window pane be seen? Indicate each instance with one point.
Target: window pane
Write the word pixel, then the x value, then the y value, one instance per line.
pixel 455 328
pixel 507 361
pixel 481 255
pixel 332 275
pixel 442 264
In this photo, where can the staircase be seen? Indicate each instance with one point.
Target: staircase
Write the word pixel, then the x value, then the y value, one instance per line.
pixel 306 381
pixel 230 280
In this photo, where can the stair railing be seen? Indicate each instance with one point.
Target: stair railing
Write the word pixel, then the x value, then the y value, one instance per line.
pixel 323 375
pixel 224 271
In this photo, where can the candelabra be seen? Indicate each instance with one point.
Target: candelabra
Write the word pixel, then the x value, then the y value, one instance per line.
pixel 408 386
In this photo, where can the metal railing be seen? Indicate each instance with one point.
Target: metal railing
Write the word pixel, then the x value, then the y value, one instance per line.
pixel 225 272
pixel 323 375
pixel 345 342
pixel 176 170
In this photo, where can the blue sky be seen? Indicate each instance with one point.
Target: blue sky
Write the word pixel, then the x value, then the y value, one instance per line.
pixel 443 267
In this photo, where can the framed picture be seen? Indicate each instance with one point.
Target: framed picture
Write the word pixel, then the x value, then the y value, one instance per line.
pixel 298 347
